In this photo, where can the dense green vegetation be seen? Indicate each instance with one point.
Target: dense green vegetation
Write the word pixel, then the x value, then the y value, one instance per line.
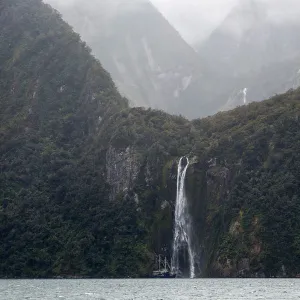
pixel 259 213
pixel 55 215
pixel 64 128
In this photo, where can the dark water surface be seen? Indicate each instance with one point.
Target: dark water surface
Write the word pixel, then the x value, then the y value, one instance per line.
pixel 156 289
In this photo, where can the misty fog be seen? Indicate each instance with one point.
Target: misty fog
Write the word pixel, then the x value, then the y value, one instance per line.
pixel 195 19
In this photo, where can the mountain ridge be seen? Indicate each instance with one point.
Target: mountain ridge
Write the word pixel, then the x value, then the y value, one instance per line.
pixel 138 41
pixel 240 59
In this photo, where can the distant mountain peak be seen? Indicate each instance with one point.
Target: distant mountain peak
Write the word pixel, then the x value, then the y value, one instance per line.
pixel 251 49
pixel 149 61
pixel 244 16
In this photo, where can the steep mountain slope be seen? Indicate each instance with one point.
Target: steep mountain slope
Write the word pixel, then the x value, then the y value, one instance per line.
pixel 54 98
pixel 88 184
pixel 149 61
pixel 254 50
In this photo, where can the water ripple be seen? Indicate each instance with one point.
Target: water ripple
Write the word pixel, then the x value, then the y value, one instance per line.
pixel 157 289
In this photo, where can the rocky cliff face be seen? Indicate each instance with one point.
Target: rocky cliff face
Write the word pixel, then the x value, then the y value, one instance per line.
pixel 122 169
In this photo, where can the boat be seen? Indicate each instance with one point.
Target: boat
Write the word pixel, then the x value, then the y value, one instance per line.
pixel 163 268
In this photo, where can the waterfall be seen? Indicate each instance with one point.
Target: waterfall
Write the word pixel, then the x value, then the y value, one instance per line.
pixel 182 229
pixel 245 90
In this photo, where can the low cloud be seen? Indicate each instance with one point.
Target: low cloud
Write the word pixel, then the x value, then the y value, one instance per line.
pixel 194 19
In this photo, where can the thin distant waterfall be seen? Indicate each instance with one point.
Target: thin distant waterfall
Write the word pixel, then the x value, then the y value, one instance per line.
pixel 182 228
pixel 245 90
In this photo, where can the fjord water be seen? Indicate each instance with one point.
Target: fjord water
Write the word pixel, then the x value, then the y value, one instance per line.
pixel 152 289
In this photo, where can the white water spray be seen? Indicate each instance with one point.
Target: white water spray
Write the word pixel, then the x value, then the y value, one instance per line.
pixel 182 230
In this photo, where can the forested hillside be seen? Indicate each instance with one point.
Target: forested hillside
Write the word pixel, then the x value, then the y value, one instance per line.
pixel 54 98
pixel 87 185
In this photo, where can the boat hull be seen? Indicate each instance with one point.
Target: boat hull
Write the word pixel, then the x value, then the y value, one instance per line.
pixel 164 275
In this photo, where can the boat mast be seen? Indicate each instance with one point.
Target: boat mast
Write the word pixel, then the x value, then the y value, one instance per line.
pixel 165 263
pixel 158 262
